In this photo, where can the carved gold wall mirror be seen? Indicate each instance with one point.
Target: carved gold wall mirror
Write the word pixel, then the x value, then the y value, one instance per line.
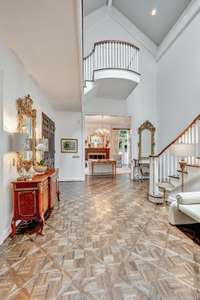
pixel 146 143
pixel 27 124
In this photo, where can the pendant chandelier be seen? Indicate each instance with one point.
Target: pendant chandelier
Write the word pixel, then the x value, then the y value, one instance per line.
pixel 102 130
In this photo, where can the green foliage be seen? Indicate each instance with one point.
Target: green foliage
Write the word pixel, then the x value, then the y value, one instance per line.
pixel 42 163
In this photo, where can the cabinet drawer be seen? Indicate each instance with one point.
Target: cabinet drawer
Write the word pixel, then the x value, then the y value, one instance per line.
pixel 27 204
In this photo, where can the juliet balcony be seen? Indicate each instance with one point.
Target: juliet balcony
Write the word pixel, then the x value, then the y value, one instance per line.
pixel 111 70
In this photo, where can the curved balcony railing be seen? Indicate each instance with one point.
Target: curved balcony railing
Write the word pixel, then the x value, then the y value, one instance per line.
pixel 111 55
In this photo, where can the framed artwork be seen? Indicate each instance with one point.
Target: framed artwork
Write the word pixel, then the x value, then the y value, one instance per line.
pixel 69 145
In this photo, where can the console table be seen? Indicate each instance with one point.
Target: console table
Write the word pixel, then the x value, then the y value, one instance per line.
pixel 97 153
pixel 32 199
pixel 105 162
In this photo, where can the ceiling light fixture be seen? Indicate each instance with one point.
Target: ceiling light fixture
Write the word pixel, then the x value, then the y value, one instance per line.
pixel 153 12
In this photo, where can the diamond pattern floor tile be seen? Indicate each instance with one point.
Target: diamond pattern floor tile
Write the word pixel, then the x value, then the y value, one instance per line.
pixel 103 241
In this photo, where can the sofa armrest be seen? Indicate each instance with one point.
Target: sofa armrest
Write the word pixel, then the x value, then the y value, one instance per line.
pixel 188 198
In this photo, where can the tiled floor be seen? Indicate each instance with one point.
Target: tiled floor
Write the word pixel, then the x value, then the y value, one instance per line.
pixel 105 241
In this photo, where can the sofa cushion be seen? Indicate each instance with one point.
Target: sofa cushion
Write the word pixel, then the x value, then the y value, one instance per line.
pixel 188 198
pixel 192 210
pixel 177 217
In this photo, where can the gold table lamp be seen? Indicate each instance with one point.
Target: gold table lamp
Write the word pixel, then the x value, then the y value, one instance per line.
pixel 183 151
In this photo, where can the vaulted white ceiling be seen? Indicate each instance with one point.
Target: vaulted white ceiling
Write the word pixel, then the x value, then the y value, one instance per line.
pixel 44 34
pixel 139 12
pixel 90 5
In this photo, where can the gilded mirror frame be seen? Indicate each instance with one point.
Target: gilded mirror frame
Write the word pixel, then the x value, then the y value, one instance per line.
pixel 147 125
pixel 25 109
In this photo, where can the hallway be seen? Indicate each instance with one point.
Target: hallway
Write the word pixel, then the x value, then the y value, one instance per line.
pixel 105 241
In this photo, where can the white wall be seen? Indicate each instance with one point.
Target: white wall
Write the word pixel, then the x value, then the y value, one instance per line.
pixel 141 104
pixel 14 83
pixel 104 106
pixel 91 128
pixel 178 84
pixel 70 125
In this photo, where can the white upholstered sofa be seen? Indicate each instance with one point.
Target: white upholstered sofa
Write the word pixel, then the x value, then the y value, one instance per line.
pixel 186 209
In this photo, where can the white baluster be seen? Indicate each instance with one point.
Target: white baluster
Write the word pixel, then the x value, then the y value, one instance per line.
pixel 198 138
pixel 193 142
pixel 172 165
pixel 122 53
pixel 137 60
pixel 164 168
pixel 160 169
pixel 106 51
pixel 110 54
pixel 88 72
pixel 133 59
pixel 168 165
pixel 124 57
pixel 97 57
pixel 103 56
pixel 89 68
pixel 113 56
pixel 153 180
pixel 117 54
pixel 100 58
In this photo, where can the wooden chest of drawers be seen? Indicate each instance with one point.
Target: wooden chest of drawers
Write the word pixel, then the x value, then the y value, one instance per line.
pixel 32 199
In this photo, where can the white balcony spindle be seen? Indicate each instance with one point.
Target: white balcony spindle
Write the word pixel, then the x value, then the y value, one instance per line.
pixel 110 54
pixel 113 56
pixel 154 176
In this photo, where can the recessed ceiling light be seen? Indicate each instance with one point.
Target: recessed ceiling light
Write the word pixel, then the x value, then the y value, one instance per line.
pixel 153 12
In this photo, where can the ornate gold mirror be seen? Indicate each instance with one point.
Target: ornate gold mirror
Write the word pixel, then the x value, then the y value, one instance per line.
pixel 146 143
pixel 27 124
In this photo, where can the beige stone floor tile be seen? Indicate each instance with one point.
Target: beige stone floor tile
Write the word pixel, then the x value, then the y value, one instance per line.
pixel 103 241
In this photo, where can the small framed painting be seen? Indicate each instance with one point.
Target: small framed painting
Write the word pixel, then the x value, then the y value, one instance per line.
pixel 69 145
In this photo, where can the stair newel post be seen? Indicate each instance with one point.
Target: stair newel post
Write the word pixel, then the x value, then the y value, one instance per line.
pixel 154 177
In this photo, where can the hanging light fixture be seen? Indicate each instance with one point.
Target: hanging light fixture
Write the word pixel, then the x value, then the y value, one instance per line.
pixel 102 130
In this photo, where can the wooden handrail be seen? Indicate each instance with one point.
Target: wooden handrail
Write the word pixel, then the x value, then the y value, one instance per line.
pixel 193 166
pixel 107 42
pixel 179 136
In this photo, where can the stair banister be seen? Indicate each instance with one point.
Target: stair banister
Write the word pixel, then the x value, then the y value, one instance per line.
pixel 164 164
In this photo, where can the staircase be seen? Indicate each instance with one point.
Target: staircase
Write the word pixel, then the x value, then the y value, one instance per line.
pixel 164 167
pixel 111 69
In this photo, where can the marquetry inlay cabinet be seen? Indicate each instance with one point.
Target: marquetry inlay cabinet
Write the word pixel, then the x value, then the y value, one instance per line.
pixel 34 198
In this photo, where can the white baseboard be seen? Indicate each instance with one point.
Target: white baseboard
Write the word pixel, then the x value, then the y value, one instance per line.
pixel 5 234
pixel 72 179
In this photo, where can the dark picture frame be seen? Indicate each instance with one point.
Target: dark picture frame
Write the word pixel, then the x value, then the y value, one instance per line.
pixel 69 145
